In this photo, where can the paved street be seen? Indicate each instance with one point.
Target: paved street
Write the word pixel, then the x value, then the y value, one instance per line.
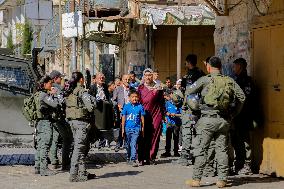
pixel 164 175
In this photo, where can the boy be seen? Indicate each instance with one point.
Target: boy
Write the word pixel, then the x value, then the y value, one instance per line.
pixel 132 123
pixel 173 120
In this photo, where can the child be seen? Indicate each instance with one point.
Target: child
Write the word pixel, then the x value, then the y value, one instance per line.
pixel 173 120
pixel 132 124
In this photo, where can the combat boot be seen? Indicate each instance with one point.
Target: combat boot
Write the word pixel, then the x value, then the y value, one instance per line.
pixel 47 172
pixel 193 183
pixel 221 183
pixel 246 170
pixel 37 170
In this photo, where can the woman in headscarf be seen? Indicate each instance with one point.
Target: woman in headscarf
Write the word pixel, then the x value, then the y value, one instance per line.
pixel 152 100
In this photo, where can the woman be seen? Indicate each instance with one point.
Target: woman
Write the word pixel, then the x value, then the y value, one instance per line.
pixel 45 107
pixel 153 103
pixel 79 105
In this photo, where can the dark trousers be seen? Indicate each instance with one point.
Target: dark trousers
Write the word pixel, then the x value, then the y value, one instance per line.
pixel 172 133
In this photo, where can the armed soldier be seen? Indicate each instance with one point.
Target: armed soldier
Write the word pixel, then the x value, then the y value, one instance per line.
pixel 189 117
pixel 221 99
pixel 79 105
pixel 61 127
pixel 46 105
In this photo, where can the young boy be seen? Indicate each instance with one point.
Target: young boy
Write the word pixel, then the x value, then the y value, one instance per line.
pixel 132 124
pixel 173 121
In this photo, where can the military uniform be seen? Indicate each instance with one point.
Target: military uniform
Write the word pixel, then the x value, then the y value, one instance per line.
pixel 189 119
pixel 213 124
pixel 242 124
pixel 62 128
pixel 45 105
pixel 79 104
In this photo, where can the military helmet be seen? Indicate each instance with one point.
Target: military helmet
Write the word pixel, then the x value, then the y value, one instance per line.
pixel 193 101
pixel 177 97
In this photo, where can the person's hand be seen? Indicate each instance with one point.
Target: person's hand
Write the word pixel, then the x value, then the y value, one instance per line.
pixel 123 134
pixel 142 131
pixel 119 107
pixel 168 114
pixel 53 90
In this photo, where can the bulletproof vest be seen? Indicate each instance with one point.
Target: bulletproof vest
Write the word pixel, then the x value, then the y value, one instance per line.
pixel 43 110
pixel 75 108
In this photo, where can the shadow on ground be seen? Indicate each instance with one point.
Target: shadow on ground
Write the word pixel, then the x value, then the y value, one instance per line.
pixel 120 174
pixel 237 181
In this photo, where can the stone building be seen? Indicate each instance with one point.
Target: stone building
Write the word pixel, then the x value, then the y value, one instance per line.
pixel 254 30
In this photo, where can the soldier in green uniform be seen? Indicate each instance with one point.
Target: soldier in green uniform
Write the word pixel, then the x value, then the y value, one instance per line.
pixel 46 104
pixel 79 105
pixel 222 99
pixel 189 118
pixel 61 127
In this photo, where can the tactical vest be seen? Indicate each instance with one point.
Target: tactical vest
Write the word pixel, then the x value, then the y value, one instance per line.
pixel 75 108
pixel 43 110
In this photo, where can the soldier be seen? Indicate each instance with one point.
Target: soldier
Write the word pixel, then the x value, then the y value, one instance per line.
pixel 188 117
pixel 61 127
pixel 218 93
pixel 46 104
pixel 79 104
pixel 243 123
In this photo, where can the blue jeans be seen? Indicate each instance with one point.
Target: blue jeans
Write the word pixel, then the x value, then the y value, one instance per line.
pixel 132 135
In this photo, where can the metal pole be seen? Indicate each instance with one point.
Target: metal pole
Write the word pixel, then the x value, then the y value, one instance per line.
pixel 74 56
pixel 61 37
pixel 74 43
pixel 179 48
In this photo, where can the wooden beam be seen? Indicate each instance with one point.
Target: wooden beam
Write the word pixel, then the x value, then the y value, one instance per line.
pixel 215 9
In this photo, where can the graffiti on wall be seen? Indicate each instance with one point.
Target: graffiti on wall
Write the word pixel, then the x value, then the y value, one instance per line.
pixel 233 42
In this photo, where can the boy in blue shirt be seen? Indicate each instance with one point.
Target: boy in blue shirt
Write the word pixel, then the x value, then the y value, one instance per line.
pixel 173 121
pixel 132 124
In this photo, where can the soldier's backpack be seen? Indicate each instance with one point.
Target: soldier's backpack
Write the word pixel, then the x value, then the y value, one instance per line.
pixel 220 93
pixel 30 108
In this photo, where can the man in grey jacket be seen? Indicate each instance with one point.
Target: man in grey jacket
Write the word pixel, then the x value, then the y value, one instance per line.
pixel 120 97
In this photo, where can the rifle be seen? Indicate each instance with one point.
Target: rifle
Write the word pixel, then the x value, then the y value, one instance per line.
pixel 88 79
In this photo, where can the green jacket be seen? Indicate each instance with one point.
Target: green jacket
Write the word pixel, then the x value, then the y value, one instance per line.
pixel 200 85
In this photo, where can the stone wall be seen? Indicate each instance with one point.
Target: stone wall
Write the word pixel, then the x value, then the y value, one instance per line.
pixel 232 34
pixel 133 51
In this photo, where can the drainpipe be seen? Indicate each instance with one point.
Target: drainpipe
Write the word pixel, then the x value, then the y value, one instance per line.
pixel 147 48
pixel 74 43
pixel 179 48
pixel 61 37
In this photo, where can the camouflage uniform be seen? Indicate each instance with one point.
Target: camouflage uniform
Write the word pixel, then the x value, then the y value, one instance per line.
pixel 188 120
pixel 62 128
pixel 213 124
pixel 46 105
pixel 78 106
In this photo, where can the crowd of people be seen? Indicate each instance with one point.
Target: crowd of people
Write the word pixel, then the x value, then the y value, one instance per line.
pixel 195 112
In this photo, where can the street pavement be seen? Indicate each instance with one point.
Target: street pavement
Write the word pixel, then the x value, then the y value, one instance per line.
pixel 119 175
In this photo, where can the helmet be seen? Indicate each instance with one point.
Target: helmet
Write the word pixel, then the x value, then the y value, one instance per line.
pixel 193 101
pixel 177 97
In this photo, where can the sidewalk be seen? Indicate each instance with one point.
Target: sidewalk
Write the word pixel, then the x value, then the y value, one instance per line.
pixel 119 175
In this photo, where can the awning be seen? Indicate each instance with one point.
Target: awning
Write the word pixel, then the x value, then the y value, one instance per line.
pixel 175 15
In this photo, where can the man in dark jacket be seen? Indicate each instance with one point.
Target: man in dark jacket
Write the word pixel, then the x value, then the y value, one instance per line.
pixel 243 123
